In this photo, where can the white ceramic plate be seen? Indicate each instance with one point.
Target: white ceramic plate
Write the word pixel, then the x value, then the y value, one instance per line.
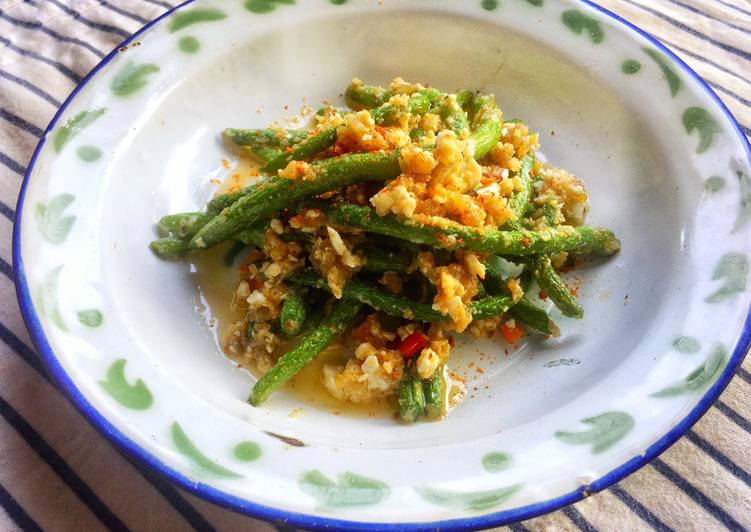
pixel 666 319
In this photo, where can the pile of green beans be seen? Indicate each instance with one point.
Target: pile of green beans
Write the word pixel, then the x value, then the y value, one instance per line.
pixel 243 217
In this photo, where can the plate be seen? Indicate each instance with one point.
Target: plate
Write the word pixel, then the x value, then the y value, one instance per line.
pixel 125 335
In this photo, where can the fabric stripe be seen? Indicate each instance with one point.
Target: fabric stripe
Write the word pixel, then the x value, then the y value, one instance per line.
pixel 13 165
pixel 123 12
pixel 190 514
pixel 733 7
pixel 16 512
pixel 639 509
pixel 29 356
pixel 6 211
pixel 719 457
pixel 518 527
pixel 35 441
pixel 38 26
pixel 21 123
pixel 165 5
pixel 64 70
pixel 6 268
pixel 173 496
pixel 744 374
pixel 92 24
pixel 31 88
pixel 682 51
pixel 691 490
pixel 733 415
pixel 692 9
pixel 578 519
pixel 724 46
pixel 733 95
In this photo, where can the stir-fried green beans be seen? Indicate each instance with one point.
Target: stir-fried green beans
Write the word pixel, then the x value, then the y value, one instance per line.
pixel 304 151
pixel 566 238
pixel 293 314
pixel 554 287
pixel 520 203
pixel 310 347
pixel 311 213
pixel 399 306
pixel 361 96
pixel 411 398
pixel 276 193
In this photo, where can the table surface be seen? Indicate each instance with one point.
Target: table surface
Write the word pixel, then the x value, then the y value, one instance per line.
pixel 58 473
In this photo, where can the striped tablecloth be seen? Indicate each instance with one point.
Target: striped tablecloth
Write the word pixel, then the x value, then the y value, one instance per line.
pixel 58 473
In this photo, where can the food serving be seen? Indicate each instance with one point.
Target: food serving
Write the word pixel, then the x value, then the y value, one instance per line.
pixel 412 216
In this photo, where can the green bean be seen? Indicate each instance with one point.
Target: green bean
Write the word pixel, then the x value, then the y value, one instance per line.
pixel 182 225
pixel 380 260
pixel 361 96
pixel 387 113
pixel 309 348
pixel 304 151
pixel 581 239
pixel 266 154
pixel 520 203
pixel 398 306
pixel 276 193
pixel 554 287
pixel 268 137
pixel 533 316
pixel 373 297
pixel 416 134
pixel 411 398
pixel 454 116
pixel 293 314
pixel 548 211
pixel 169 247
pixel 486 124
pixel 433 389
pixel 253 236
pixel 265 144
pixel 490 307
pixel 464 98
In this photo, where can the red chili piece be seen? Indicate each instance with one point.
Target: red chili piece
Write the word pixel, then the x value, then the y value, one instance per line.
pixel 413 344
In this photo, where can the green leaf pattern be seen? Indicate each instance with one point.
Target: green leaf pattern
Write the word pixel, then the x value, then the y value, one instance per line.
pixel 49 301
pixel 744 209
pixel 686 344
pixel 189 44
pixel 607 429
pixel 74 126
pixel 700 120
pixel 474 501
pixel 674 81
pixel 579 22
pixel 184 18
pixel 349 489
pixel 90 318
pixel 714 184
pixel 261 7
pixel 496 462
pixel 131 78
pixel 54 224
pixel 247 451
pixel 188 449
pixel 135 397
pixel 698 378
pixel 89 154
pixel 733 270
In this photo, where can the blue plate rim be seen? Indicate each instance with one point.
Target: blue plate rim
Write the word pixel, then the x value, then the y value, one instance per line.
pixel 283 517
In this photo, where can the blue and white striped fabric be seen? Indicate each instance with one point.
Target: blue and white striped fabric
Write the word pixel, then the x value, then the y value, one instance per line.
pixel 58 473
